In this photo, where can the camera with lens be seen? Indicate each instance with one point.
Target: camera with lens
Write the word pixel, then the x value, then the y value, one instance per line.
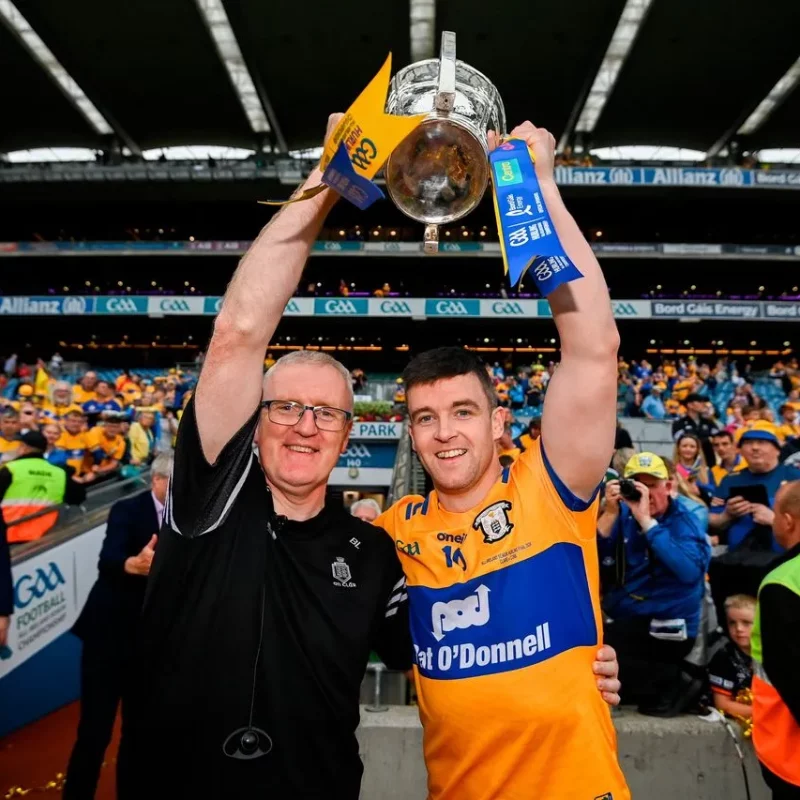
pixel 628 490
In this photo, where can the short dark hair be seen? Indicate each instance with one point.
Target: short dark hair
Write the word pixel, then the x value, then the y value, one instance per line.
pixel 722 434
pixel 784 408
pixel 448 362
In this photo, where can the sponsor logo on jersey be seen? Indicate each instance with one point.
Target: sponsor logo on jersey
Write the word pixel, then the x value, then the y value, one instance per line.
pixel 473 610
pixel 409 548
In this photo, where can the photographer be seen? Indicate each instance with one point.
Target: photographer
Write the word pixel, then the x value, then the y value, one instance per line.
pixel 653 553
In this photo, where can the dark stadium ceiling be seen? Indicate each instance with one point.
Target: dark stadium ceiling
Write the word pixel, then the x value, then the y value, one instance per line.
pixel 695 72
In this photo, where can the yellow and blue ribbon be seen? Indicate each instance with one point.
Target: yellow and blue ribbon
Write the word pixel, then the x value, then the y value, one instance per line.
pixel 528 238
pixel 360 145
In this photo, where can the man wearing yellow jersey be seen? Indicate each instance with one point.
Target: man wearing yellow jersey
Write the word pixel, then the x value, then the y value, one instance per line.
pixel 9 428
pixel 501 566
pixel 83 391
pixel 105 446
pixel 73 442
pixel 56 409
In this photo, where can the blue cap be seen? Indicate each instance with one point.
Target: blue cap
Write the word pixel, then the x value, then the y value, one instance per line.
pixel 760 434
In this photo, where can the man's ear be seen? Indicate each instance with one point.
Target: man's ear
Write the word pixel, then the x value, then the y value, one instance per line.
pixel 411 436
pixel 498 422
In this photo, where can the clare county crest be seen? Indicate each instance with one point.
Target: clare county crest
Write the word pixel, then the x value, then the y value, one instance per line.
pixel 341 573
pixel 494 522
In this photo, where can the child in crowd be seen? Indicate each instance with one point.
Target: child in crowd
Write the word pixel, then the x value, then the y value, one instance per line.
pixel 730 670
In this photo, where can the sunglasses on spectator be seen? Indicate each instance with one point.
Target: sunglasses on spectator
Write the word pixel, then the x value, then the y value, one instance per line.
pixel 288 412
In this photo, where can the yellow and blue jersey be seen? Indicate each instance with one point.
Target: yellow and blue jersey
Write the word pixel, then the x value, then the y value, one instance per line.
pixel 505 620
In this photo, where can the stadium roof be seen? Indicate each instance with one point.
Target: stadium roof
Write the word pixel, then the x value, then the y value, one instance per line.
pixel 248 73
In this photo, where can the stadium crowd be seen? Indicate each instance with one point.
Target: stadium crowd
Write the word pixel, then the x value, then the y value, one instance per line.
pixel 97 429
pixel 680 600
pixel 707 511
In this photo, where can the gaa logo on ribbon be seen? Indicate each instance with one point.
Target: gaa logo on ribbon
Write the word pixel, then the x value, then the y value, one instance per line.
pixel 34 587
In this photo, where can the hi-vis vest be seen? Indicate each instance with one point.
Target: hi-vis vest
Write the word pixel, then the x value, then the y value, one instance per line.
pixel 776 734
pixel 35 485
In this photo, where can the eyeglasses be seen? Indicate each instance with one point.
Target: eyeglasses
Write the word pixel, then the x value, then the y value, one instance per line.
pixel 287 412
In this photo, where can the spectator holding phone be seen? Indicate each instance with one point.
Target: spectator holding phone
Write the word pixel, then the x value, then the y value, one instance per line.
pixel 743 518
pixel 654 553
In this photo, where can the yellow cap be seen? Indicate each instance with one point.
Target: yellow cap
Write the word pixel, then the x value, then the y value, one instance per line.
pixel 647 464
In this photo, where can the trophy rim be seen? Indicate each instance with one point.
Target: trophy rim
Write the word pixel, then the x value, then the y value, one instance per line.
pixel 499 105
pixel 446 220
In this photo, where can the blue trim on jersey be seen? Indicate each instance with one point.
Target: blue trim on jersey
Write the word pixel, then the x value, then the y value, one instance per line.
pixel 506 620
pixel 425 503
pixel 409 510
pixel 568 498
pixel 506 474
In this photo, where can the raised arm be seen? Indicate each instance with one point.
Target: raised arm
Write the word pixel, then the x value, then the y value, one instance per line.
pixel 229 388
pixel 580 408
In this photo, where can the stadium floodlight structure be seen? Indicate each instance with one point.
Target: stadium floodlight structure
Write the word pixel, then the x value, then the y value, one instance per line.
pixel 779 92
pixel 254 103
pixel 630 22
pixel 32 42
pixel 423 29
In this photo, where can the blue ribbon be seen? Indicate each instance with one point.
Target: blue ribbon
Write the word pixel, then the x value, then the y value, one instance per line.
pixel 342 178
pixel 528 238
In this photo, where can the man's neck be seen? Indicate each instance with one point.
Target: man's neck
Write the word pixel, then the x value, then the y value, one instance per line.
pixel 693 415
pixel 729 462
pixel 297 506
pixel 459 502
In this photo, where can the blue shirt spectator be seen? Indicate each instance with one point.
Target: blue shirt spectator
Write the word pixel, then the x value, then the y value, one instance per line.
pixel 658 549
pixel 653 406
pixel 739 517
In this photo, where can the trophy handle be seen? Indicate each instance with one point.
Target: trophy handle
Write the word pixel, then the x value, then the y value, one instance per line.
pixel 446 91
pixel 431 239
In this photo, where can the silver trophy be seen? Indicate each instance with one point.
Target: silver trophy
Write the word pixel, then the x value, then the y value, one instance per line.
pixel 439 172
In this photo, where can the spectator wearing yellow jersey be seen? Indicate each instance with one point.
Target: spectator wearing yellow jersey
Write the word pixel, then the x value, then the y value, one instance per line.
pixel 84 390
pixel 729 459
pixel 105 446
pixel 57 408
pixel 789 427
pixel 9 428
pixel 73 442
